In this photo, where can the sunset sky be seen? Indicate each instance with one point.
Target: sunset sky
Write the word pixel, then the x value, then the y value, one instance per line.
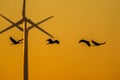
pixel 73 20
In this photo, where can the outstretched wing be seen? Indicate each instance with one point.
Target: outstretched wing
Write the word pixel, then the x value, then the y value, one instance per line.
pixel 56 41
pixel 20 40
pixel 96 43
pixel 13 40
pixel 85 41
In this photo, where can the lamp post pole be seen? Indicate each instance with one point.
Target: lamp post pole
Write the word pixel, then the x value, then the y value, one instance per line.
pixel 25 30
pixel 25 66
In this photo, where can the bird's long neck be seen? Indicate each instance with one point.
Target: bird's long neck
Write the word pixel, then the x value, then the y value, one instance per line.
pixel 24 8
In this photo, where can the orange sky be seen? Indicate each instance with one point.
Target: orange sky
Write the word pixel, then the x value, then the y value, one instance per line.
pixel 73 20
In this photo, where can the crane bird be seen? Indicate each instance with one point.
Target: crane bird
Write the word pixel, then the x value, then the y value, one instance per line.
pixel 14 41
pixel 50 41
pixel 97 44
pixel 85 41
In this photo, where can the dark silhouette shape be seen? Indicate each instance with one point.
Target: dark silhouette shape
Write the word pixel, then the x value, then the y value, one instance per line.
pixel 97 44
pixel 27 20
pixel 26 30
pixel 85 41
pixel 53 41
pixel 15 42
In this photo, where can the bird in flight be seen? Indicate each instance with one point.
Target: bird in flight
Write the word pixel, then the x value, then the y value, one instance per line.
pixel 85 41
pixel 97 44
pixel 14 41
pixel 50 41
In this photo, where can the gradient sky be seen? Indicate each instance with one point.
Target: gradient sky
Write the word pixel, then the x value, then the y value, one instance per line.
pixel 73 20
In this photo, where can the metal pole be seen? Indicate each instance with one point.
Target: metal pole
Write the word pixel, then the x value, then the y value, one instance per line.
pixel 25 51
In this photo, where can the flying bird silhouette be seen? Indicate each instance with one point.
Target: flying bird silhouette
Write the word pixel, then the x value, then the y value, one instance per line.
pixel 85 41
pixel 14 41
pixel 97 44
pixel 53 41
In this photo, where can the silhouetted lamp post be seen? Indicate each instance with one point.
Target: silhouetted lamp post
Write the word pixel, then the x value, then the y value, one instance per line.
pixel 25 30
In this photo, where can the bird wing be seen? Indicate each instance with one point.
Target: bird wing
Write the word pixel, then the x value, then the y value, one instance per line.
pixel 20 40
pixel 13 40
pixel 85 41
pixel 56 41
pixel 82 40
pixel 88 43
pixel 95 42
